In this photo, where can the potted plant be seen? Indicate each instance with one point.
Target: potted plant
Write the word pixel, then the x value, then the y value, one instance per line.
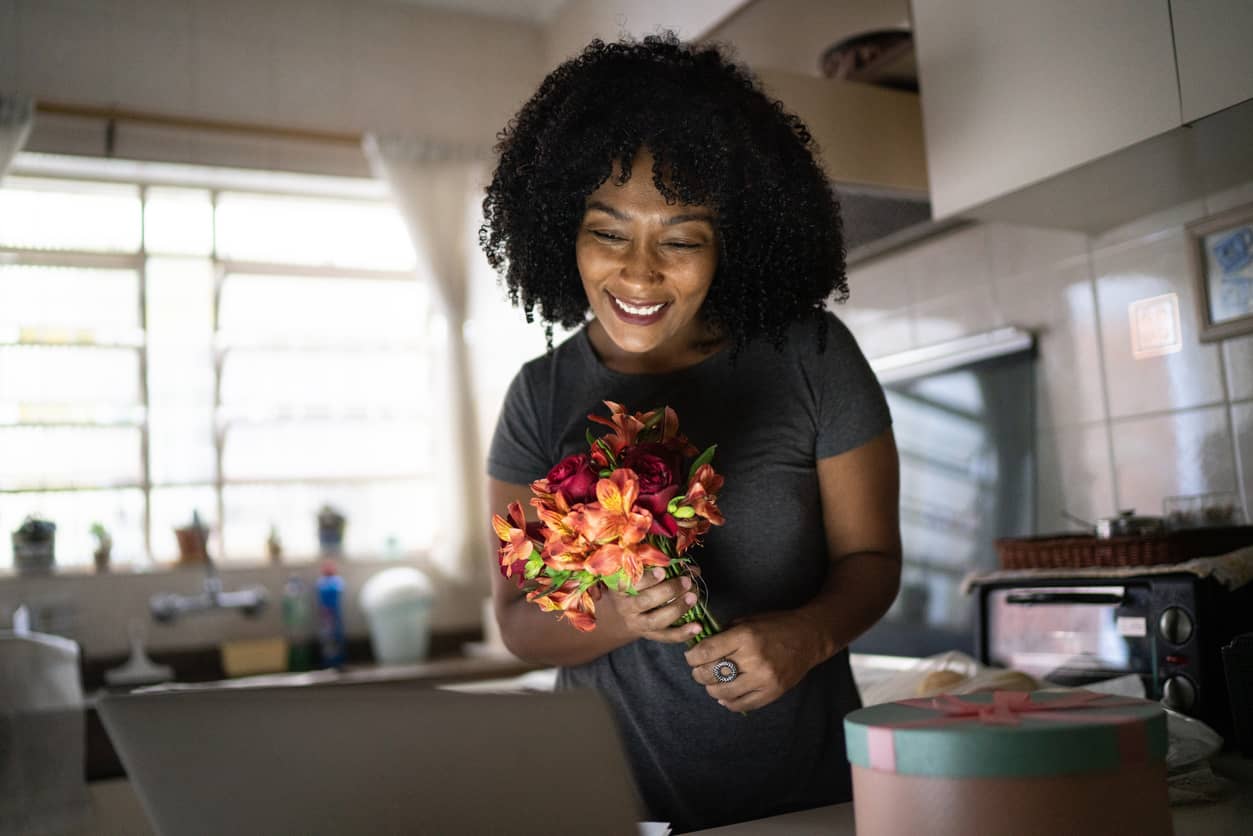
pixel 34 546
pixel 330 531
pixel 104 546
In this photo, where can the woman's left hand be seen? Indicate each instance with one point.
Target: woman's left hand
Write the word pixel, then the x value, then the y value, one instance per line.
pixel 772 651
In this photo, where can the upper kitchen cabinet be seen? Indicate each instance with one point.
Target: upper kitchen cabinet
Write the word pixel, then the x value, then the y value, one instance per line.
pixel 1214 48
pixel 1016 91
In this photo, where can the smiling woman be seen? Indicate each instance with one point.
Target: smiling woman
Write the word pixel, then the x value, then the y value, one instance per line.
pixel 656 188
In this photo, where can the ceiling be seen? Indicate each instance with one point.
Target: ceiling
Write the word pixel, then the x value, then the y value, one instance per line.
pixel 530 11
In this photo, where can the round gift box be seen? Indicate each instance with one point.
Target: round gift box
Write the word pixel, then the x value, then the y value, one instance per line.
pixel 1011 763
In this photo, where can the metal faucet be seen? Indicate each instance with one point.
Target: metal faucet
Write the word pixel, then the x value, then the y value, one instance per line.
pixel 167 606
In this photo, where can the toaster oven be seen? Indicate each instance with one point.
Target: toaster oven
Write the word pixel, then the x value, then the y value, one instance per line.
pixel 1168 629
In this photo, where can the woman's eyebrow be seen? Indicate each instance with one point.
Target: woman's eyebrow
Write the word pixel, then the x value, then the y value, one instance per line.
pixel 673 220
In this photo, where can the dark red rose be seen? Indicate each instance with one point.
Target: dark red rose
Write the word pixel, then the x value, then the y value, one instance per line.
pixel 657 470
pixel 575 478
pixel 655 467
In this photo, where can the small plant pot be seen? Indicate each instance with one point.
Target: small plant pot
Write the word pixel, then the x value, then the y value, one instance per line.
pixel 101 558
pixel 34 557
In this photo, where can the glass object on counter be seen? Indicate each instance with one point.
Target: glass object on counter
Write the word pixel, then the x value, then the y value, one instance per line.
pixel 1203 510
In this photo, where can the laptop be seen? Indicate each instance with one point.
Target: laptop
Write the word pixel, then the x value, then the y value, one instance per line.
pixel 364 758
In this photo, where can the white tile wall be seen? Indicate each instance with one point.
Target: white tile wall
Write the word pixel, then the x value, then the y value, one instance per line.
pixel 1074 475
pixel 1019 250
pixel 98 608
pixel 1059 306
pixel 1238 362
pixel 1184 452
pixel 1242 430
pixel 955 315
pixel 1188 378
pixel 958 263
pixel 1240 195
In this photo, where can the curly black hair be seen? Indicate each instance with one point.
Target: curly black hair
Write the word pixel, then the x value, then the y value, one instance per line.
pixel 716 139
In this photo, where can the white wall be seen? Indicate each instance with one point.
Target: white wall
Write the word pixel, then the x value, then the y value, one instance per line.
pixel 1112 431
pixel 332 65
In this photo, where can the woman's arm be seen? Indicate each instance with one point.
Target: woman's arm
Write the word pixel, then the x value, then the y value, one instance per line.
pixel 774 651
pixel 538 636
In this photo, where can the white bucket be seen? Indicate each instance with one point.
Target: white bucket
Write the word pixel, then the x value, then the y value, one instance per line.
pixel 397 607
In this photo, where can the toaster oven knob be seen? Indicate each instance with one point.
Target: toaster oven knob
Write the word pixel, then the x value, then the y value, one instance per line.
pixel 1179 694
pixel 1175 625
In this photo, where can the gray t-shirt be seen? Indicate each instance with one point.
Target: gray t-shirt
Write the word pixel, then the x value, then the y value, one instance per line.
pixel 773 415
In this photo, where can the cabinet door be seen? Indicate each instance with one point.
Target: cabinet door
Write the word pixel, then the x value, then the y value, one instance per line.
pixel 1015 91
pixel 1214 48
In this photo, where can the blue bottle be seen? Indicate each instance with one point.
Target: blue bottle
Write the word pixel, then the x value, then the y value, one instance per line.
pixel 331 616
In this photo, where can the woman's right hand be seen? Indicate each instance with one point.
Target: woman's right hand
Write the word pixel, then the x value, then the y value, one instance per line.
pixel 660 602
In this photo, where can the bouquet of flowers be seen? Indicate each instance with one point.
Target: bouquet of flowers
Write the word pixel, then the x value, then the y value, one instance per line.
pixel 639 497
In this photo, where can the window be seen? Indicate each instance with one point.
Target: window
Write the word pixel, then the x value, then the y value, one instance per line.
pixel 244 347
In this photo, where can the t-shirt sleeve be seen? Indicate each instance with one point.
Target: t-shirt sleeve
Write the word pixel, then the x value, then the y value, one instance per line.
pixel 517 453
pixel 852 408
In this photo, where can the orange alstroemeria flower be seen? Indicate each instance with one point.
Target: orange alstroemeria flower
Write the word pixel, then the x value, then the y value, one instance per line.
pixel 626 427
pixel 614 516
pixel 578 608
pixel 631 558
pixel 702 494
pixel 518 547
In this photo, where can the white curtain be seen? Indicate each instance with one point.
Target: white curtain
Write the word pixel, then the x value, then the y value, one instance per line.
pixel 438 190
pixel 16 116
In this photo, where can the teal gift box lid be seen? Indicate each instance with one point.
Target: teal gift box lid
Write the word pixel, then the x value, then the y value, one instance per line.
pixel 1006 734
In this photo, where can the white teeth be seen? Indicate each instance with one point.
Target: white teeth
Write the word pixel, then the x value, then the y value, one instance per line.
pixel 638 311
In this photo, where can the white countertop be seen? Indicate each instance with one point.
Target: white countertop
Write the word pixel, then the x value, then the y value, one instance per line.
pixel 1231 817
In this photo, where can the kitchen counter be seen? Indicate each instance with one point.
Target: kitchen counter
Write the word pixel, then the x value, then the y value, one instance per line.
pixel 1233 816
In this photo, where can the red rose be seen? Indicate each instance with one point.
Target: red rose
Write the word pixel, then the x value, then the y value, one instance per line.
pixel 575 478
pixel 655 467
pixel 657 470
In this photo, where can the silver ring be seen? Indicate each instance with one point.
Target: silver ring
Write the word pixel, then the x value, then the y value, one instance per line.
pixel 725 670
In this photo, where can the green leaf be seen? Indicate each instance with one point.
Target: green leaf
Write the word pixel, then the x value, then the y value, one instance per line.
pixel 533 567
pixel 591 439
pixel 704 458
pixel 613 461
pixel 606 473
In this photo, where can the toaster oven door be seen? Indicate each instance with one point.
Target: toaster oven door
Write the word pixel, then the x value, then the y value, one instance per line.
pixel 1069 635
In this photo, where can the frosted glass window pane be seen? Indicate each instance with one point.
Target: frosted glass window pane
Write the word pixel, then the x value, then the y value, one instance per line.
pixel 180 376
pixel 332 449
pixel 270 310
pixel 122 512
pixel 59 302
pixel 37 375
pixel 382 518
pixel 62 215
pixel 322 231
pixel 69 456
pixel 180 302
pixel 178 221
pixel 172 508
pixel 331 382
pixel 181 444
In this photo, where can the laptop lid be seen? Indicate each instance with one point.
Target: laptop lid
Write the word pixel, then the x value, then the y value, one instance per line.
pixel 373 758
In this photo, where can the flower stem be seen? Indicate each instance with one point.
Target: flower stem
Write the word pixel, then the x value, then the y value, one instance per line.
pixel 698 613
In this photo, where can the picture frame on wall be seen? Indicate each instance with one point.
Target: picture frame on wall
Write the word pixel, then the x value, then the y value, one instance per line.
pixel 1221 251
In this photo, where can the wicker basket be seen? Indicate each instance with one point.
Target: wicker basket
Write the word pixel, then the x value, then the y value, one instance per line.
pixel 1079 551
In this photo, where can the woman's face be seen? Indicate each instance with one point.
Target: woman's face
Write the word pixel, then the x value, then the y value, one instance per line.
pixel 646 267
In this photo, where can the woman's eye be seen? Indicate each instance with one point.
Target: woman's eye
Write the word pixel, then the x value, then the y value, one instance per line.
pixel 606 236
pixel 682 245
